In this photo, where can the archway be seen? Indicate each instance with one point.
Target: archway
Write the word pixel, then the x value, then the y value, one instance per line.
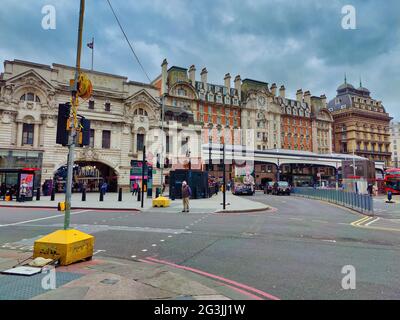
pixel 88 174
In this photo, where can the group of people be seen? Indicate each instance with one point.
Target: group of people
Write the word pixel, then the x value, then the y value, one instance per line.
pixel 12 191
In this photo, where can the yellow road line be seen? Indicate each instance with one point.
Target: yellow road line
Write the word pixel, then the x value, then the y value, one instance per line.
pixel 355 223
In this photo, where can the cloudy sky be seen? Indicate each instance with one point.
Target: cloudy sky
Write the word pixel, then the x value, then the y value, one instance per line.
pixel 298 43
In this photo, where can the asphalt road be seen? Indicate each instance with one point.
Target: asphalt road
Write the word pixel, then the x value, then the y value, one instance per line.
pixel 295 252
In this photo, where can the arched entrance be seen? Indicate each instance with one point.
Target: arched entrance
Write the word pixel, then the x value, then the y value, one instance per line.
pixel 91 174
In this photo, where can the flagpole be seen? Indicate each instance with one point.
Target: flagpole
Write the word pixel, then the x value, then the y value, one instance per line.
pixel 92 51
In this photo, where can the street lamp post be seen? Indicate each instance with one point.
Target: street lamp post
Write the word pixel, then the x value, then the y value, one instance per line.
pixel 162 143
pixel 72 135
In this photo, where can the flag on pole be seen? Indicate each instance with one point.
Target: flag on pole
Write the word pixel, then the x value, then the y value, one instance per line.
pixel 91 45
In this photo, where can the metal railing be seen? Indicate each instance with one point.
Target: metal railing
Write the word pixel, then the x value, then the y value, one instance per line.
pixel 359 202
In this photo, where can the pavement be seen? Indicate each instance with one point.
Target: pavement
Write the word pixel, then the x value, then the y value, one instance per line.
pixel 295 250
pixel 115 279
pixel 130 203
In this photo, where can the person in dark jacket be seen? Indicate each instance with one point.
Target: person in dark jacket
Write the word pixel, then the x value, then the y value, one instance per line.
pixel 186 193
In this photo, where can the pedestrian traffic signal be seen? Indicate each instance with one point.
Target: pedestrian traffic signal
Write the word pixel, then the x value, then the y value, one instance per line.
pixel 64 112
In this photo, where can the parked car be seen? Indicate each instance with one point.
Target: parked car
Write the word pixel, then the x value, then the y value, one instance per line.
pixel 242 189
pixel 281 187
pixel 269 187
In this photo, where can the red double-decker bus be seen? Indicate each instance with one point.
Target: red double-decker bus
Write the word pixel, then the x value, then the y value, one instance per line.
pixel 392 180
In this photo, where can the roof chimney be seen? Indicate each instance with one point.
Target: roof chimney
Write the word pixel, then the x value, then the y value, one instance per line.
pixel 282 91
pixel 192 74
pixel 299 95
pixel 323 99
pixel 227 80
pixel 273 89
pixel 238 86
pixel 203 75
pixel 164 74
pixel 307 97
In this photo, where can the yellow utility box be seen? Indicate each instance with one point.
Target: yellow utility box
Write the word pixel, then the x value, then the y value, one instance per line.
pixel 69 246
pixel 161 202
pixel 61 206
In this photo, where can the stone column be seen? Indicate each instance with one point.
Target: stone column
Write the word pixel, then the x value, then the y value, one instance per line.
pixel 19 134
pixel 36 135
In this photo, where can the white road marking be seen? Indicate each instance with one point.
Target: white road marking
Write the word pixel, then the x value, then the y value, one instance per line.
pixel 98 251
pixel 169 236
pixel 162 240
pixel 297 219
pixel 41 219
pixel 375 220
pixel 154 245
pixel 333 241
pixel 144 250
pixel 133 256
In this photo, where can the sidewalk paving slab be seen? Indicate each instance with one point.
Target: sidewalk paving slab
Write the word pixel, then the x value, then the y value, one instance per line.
pixel 106 278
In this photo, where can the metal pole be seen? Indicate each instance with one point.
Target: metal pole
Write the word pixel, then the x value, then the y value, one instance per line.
pixel 162 144
pixel 72 136
pixel 92 52
pixel 143 168
pixel 224 176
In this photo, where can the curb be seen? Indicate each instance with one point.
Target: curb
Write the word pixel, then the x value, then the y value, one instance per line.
pixel 72 208
pixel 242 211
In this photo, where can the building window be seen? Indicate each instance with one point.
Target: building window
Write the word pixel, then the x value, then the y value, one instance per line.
pixel 27 134
pixel 140 112
pixel 167 144
pixel 91 104
pixel 30 97
pixel 91 143
pixel 107 106
pixel 106 139
pixel 140 142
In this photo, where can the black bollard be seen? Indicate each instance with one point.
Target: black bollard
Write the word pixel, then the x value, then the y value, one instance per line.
pixel 138 195
pixel 83 194
pixel 172 193
pixel 101 195
pixel 53 194
pixel 120 194
pixel 37 194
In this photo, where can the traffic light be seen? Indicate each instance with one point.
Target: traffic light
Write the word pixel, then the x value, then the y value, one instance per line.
pixel 64 111
pixel 84 134
pixel 158 161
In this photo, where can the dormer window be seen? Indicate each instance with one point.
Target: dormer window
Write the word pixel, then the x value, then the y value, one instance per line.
pixel 107 106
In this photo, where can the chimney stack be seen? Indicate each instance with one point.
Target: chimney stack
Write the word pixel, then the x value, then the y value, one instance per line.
pixel 307 97
pixel 203 75
pixel 192 74
pixel 227 80
pixel 282 91
pixel 238 86
pixel 164 74
pixel 273 89
pixel 299 95
pixel 323 98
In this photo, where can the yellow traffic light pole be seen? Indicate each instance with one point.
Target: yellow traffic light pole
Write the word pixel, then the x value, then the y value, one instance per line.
pixel 69 246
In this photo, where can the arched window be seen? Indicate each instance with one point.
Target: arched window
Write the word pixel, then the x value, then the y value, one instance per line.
pixel 140 112
pixel 29 97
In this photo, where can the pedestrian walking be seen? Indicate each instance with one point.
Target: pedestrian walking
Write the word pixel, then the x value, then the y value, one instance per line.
pixel 186 194
pixel 3 190
pixel 135 188
pixel 23 189
pixel 104 188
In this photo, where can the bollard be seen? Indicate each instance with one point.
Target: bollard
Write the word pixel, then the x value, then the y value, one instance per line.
pixel 53 194
pixel 138 195
pixel 172 193
pixel 120 194
pixel 101 195
pixel 84 194
pixel 37 194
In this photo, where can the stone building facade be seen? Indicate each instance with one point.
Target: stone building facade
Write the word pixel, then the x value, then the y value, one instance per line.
pixel 395 142
pixel 361 124
pixel 121 114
